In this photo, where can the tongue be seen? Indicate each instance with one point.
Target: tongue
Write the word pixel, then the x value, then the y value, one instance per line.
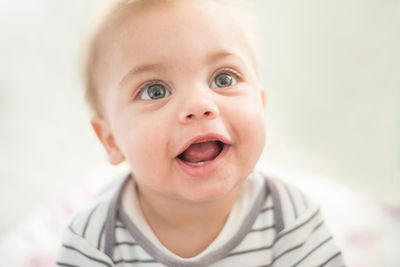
pixel 201 152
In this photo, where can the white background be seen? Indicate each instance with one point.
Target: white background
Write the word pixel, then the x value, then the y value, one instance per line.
pixel 331 70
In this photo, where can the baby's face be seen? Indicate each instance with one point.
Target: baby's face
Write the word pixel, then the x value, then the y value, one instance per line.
pixel 182 101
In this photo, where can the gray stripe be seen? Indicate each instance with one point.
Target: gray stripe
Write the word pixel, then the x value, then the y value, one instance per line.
pixel 86 255
pixel 276 200
pixel 208 259
pixel 291 200
pixel 111 220
pixel 88 221
pixel 312 251
pixel 65 264
pixel 100 237
pixel 331 258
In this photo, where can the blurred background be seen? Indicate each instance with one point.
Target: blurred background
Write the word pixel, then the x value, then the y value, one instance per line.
pixel 332 74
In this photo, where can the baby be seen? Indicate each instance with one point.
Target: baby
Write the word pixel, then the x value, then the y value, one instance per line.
pixel 176 94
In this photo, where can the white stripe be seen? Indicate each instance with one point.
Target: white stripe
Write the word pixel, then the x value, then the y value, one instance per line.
pixel 287 207
pixel 255 241
pixel 130 253
pixel 290 236
pixel 250 259
pixel 96 223
pixel 320 255
pixel 72 257
pixel 123 235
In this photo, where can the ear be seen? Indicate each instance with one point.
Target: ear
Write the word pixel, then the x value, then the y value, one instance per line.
pixel 106 137
pixel 264 97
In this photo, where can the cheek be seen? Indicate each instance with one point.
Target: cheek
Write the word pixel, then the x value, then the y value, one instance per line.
pixel 255 132
pixel 250 125
pixel 249 110
pixel 144 145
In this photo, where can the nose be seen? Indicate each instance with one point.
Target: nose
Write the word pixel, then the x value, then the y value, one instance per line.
pixel 197 107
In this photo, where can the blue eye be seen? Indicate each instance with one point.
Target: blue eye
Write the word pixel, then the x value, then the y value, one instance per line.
pixel 223 80
pixel 154 92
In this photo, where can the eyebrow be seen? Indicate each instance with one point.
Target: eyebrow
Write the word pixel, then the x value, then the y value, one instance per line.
pixel 218 55
pixel 160 66
pixel 141 69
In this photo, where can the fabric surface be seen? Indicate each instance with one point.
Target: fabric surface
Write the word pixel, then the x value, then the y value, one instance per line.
pixel 367 231
pixel 303 239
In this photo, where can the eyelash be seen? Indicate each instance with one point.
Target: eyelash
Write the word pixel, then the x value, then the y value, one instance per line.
pixel 146 85
pixel 231 71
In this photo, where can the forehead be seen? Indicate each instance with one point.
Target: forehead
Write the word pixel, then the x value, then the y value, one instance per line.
pixel 173 29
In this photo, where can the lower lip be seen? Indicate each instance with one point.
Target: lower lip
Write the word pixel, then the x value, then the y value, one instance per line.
pixel 206 168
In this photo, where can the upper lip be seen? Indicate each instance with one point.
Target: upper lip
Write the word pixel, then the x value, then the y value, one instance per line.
pixel 205 138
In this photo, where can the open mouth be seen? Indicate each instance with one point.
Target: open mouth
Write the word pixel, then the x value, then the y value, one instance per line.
pixel 199 153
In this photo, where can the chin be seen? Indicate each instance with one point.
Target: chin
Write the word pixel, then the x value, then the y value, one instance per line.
pixel 210 192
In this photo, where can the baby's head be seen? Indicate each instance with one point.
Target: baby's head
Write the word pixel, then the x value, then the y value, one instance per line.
pixel 115 13
pixel 176 93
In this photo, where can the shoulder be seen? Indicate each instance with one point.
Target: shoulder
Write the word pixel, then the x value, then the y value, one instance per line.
pixel 83 239
pixel 89 223
pixel 291 204
pixel 302 238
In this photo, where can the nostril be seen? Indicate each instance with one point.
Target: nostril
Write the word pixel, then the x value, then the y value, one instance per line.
pixel 204 114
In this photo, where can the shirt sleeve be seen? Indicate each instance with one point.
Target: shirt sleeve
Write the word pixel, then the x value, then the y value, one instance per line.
pixel 76 251
pixel 305 239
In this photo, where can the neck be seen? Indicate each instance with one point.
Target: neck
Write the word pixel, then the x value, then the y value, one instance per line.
pixel 176 213
pixel 177 223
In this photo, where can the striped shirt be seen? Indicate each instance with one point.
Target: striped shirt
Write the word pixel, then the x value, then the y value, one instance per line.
pixel 280 228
